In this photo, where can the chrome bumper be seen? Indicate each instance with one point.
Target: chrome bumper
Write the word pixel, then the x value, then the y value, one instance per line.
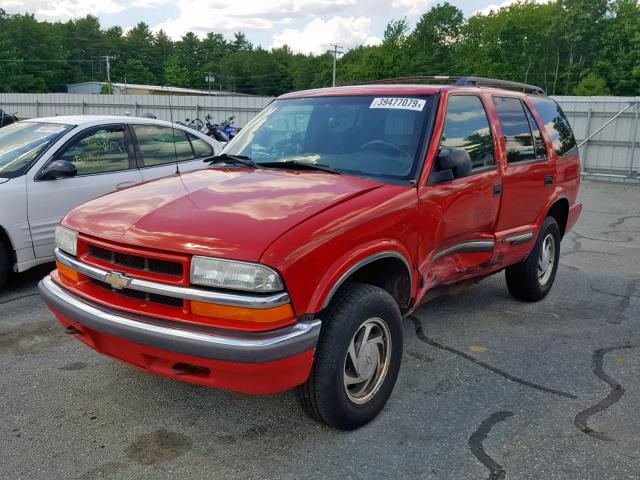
pixel 213 343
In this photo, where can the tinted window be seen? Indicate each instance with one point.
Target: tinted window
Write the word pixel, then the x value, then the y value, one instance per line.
pixel 540 147
pixel 515 127
pixel 556 125
pixel 466 126
pixel 200 147
pixel 98 151
pixel 162 145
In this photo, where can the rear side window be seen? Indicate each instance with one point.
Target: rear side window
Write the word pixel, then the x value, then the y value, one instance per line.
pixel 556 125
pixel 161 145
pixel 540 148
pixel 201 148
pixel 466 126
pixel 516 129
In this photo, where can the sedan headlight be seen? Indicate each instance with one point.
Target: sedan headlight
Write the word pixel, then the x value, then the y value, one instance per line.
pixel 66 240
pixel 233 275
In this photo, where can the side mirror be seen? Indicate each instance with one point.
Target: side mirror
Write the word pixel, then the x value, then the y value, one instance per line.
pixel 59 169
pixel 451 163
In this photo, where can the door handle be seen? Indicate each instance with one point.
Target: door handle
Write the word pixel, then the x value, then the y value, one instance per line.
pixel 548 180
pixel 497 189
pixel 122 185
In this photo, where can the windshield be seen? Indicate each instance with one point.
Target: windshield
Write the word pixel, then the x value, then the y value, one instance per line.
pixel 369 136
pixel 23 142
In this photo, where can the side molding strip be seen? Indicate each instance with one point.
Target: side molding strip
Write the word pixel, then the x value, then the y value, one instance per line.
pixel 475 246
pixel 362 263
pixel 518 239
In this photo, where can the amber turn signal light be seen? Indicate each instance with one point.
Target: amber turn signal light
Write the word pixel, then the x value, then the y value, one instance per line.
pixel 67 272
pixel 257 315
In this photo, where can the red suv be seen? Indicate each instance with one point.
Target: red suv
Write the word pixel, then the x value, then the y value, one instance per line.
pixel 292 259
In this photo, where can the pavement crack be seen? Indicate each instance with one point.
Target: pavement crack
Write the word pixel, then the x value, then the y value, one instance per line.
pixel 616 393
pixel 621 220
pixel 477 448
pixel 421 336
pixel 19 298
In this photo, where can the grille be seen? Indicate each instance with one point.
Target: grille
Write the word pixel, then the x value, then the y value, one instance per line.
pixel 138 295
pixel 135 262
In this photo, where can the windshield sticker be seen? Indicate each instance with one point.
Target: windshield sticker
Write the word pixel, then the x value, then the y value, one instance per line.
pixel 401 103
pixel 49 129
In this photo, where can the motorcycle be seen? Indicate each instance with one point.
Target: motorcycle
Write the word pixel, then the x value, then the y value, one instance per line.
pixel 7 118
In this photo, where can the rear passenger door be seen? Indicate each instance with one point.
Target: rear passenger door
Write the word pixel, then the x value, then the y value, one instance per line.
pixel 458 216
pixel 159 149
pixel 528 180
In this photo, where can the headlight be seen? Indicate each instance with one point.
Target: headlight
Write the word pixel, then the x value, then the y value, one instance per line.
pixel 66 240
pixel 214 272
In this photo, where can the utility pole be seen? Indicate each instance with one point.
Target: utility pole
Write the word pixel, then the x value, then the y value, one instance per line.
pixel 337 50
pixel 107 59
pixel 210 77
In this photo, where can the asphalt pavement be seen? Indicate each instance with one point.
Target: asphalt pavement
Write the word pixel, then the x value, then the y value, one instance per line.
pixel 489 388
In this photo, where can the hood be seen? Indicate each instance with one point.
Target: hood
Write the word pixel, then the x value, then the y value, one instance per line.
pixel 229 213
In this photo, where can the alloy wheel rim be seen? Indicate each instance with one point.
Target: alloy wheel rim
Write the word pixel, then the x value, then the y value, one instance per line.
pixel 367 360
pixel 547 259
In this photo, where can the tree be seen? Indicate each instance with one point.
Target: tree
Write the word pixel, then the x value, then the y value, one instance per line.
pixel 135 72
pixel 592 84
pixel 175 73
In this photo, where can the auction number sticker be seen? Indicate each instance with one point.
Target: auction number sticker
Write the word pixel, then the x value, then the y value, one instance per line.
pixel 401 103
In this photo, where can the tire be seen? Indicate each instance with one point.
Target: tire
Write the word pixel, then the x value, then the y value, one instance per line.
pixel 5 265
pixel 356 311
pixel 530 281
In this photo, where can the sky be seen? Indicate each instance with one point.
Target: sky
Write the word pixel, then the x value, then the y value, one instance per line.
pixel 307 26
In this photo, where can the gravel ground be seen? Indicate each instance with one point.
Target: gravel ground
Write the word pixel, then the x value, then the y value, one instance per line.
pixel 489 388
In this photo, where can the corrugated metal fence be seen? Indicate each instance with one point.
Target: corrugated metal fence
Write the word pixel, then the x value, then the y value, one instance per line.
pixel 32 105
pixel 608 129
pixel 612 152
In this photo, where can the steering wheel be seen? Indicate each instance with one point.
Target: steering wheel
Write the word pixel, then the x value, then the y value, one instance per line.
pixel 386 143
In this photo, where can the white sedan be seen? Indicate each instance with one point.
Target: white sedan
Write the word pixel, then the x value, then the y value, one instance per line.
pixel 48 166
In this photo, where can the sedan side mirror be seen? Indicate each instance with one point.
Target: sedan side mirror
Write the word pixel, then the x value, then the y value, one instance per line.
pixel 451 163
pixel 59 169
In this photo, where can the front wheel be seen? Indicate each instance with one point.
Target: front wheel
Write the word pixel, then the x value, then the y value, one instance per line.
pixel 4 265
pixel 357 359
pixel 531 279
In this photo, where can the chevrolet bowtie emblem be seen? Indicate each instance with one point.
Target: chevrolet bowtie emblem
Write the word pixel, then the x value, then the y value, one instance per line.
pixel 117 280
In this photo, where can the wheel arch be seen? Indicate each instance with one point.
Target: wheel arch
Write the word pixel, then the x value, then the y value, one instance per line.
pixel 559 210
pixel 5 241
pixel 374 269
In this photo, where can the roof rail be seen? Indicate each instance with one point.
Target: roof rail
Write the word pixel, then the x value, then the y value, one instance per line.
pixel 465 82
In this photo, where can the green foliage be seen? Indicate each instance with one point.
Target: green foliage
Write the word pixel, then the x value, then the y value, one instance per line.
pixel 592 84
pixel 565 46
pixel 106 89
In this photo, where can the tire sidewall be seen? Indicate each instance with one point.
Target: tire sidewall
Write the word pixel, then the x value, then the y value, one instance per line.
pixel 4 265
pixel 549 226
pixel 378 304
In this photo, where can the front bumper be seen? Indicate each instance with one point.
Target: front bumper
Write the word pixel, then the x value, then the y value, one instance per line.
pixel 283 357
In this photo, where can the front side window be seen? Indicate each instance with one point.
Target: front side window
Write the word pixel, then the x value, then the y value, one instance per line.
pixel 364 135
pixel 466 126
pixel 162 145
pixel 100 150
pixel 515 128
pixel 22 143
pixel 556 125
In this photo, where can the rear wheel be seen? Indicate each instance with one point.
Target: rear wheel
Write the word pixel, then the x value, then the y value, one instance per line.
pixel 357 358
pixel 531 279
pixel 4 265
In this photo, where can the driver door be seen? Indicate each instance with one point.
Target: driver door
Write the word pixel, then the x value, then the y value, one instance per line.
pixel 458 215
pixel 104 160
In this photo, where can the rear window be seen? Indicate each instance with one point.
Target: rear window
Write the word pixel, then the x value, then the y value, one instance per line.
pixel 556 125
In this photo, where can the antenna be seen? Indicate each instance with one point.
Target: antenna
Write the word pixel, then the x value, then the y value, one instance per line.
pixel 173 132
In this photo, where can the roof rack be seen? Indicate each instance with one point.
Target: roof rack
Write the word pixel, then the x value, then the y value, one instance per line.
pixel 466 82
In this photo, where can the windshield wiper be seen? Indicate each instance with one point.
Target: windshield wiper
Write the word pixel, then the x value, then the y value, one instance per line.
pixel 227 158
pixel 292 164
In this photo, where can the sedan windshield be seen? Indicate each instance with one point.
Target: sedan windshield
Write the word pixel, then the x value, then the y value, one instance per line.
pixel 23 142
pixel 370 136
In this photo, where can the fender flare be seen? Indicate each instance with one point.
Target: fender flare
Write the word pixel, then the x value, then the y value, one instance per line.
pixel 338 274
